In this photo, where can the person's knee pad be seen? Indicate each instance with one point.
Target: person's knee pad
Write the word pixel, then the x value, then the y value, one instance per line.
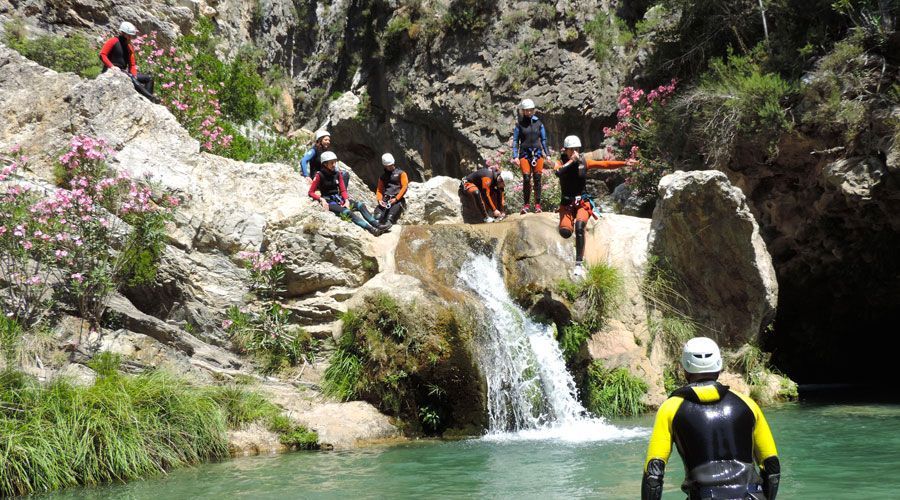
pixel 526 178
pixel 565 232
pixel 579 228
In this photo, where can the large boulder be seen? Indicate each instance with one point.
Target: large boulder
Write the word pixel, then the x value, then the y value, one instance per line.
pixel 435 201
pixel 347 425
pixel 705 237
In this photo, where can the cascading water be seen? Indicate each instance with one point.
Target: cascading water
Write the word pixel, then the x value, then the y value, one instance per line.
pixel 531 395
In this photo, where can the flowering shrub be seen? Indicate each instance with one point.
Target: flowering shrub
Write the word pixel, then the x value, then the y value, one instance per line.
pixel 26 251
pixel 188 97
pixel 266 272
pixel 76 238
pixel 634 133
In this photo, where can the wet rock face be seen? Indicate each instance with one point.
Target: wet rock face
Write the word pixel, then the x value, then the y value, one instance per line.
pixel 704 235
pixel 832 226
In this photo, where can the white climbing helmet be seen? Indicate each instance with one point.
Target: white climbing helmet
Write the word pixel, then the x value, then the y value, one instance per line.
pixel 127 28
pixel 527 104
pixel 327 156
pixel 322 133
pixel 572 141
pixel 701 355
pixel 387 159
pixel 507 176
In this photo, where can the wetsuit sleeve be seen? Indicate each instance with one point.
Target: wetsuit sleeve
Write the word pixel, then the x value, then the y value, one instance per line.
pixel 304 162
pixel 515 144
pixel 605 164
pixel 313 187
pixel 379 190
pixel 404 182
pixel 660 446
pixel 344 195
pixel 133 63
pixel 562 169
pixel 544 139
pixel 764 450
pixel 659 450
pixel 104 52
pixel 486 190
pixel 763 442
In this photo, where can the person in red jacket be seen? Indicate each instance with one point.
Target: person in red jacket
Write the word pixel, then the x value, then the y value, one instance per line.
pixel 117 52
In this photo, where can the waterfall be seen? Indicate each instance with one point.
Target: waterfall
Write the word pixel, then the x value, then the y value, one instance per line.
pixel 531 395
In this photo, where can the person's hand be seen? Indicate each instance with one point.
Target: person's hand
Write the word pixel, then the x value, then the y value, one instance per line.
pixel 497 213
pixel 382 203
pixel 345 203
pixel 576 155
pixel 323 203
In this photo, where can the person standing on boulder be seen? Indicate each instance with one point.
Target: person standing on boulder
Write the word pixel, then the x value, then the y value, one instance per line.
pixel 486 187
pixel 328 189
pixel 117 52
pixel 576 206
pixel 721 435
pixel 390 192
pixel 529 148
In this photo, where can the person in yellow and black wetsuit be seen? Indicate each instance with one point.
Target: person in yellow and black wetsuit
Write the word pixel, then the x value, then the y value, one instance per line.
pixel 529 148
pixel 486 189
pixel 721 435
pixel 390 192
pixel 576 207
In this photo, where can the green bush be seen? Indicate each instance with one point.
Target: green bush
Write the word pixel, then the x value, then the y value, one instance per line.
pixel 267 336
pixel 614 393
pixel 118 429
pixel 241 94
pixel 464 17
pixel 736 100
pixel 396 357
pixel 605 32
pixel 10 337
pixel 572 337
pixel 74 54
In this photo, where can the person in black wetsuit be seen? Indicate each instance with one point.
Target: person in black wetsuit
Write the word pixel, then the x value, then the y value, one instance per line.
pixel 117 52
pixel 721 435
pixel 529 148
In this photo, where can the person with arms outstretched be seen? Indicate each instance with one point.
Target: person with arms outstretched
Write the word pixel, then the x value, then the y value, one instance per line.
pixel 576 206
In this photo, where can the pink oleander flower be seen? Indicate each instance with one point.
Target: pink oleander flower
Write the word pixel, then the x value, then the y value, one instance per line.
pixel 226 324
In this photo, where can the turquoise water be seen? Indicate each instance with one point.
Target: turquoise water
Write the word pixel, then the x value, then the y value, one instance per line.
pixel 828 451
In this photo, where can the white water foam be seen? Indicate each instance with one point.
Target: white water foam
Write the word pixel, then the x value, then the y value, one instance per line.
pixel 531 395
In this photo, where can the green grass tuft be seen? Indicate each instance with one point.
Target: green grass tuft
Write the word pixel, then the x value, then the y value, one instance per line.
pixel 120 428
pixel 614 393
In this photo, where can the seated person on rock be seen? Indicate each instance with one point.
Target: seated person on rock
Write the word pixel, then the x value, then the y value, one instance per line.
pixel 576 207
pixel 721 435
pixel 486 187
pixel 117 52
pixel 391 192
pixel 311 162
pixel 332 195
